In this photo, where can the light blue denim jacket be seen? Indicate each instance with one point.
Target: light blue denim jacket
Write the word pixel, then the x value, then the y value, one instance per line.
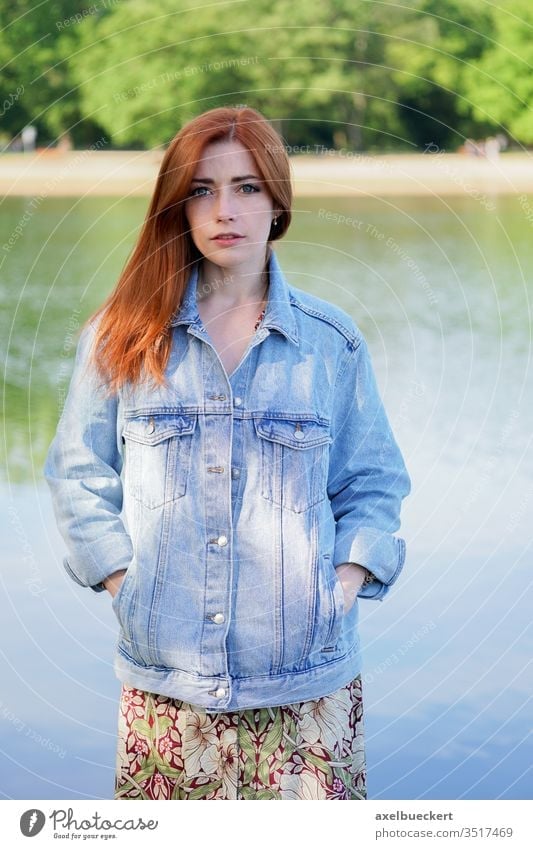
pixel 230 500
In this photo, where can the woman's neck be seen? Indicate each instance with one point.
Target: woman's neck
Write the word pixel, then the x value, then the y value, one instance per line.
pixel 231 288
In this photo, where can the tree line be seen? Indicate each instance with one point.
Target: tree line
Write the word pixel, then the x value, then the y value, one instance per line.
pixel 354 74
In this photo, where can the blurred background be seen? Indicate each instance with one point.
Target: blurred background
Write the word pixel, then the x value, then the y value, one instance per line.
pixel 409 127
pixel 381 76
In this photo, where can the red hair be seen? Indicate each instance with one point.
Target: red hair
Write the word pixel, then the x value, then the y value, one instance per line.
pixel 132 333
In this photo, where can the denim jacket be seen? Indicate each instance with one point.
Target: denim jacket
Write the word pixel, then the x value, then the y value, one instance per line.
pixel 230 500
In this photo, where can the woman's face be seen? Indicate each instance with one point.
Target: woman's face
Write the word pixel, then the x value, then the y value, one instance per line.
pixel 228 196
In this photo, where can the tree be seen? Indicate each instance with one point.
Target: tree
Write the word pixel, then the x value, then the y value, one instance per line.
pixel 145 70
pixel 33 39
pixel 500 82
pixel 431 54
pixel 359 74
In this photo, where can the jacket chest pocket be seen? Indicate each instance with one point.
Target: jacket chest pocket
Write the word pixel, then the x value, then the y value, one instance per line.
pixel 294 461
pixel 157 456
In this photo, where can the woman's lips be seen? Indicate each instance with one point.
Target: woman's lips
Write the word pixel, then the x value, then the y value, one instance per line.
pixel 227 241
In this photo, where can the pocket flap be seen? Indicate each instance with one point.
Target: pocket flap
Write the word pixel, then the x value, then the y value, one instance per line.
pixel 152 428
pixel 295 433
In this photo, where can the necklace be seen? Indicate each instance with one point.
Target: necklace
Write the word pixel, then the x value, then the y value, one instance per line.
pixel 260 318
pixel 262 313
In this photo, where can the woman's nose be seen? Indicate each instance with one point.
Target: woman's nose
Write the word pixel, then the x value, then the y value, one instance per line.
pixel 225 206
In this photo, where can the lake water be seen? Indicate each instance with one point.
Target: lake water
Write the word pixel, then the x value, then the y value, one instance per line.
pixel 442 291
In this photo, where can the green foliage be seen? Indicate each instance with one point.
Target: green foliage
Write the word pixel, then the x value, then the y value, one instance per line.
pixel 500 82
pixel 344 73
pixel 327 73
pixel 33 42
pixel 431 54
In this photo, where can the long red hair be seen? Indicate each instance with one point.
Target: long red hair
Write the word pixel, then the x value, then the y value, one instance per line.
pixel 132 333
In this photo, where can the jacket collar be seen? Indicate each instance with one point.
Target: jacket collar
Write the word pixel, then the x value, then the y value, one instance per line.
pixel 278 314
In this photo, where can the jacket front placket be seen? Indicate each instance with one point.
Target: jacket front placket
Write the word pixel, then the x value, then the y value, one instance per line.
pixel 222 452
pixel 222 457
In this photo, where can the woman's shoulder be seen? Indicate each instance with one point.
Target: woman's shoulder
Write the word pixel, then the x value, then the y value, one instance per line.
pixel 321 314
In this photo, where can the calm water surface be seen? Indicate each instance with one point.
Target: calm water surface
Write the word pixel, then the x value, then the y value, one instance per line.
pixel 442 291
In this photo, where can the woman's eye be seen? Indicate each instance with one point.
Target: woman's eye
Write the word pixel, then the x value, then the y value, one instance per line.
pixel 247 189
pixel 199 189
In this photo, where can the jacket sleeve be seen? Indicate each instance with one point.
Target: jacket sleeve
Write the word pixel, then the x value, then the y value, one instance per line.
pixel 82 469
pixel 367 476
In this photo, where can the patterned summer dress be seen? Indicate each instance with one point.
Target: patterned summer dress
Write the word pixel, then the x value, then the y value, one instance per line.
pixel 170 749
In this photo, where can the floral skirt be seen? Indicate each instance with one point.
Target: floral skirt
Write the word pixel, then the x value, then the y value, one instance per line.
pixel 170 749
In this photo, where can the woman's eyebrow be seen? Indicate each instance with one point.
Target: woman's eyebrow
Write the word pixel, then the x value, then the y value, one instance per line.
pixel 233 179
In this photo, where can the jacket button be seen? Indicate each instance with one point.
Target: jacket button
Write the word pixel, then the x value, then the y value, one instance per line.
pixel 235 473
pixel 222 540
pixel 298 434
pixel 151 426
pixel 218 618
pixel 220 693
pixel 237 401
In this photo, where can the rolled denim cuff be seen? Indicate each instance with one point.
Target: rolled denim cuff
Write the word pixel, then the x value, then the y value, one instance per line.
pixel 98 588
pixel 378 551
pixel 93 574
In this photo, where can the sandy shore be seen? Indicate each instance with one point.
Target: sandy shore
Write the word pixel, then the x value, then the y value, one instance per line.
pixel 96 172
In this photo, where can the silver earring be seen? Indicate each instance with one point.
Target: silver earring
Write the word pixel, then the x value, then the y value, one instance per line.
pixel 275 222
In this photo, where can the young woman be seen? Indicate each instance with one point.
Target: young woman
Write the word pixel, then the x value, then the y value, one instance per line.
pixel 224 467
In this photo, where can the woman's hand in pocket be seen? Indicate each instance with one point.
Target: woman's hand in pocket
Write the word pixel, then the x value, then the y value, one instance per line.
pixel 113 582
pixel 351 576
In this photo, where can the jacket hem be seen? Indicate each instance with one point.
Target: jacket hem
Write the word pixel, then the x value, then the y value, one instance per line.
pixel 241 693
